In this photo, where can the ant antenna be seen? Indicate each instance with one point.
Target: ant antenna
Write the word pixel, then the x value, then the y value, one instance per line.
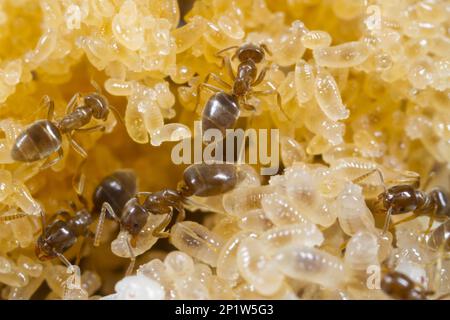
pixel 365 175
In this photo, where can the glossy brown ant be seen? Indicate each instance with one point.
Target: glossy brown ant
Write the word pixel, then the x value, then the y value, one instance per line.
pixel 404 198
pixel 44 137
pixel 223 109
pixel 117 198
pixel 399 286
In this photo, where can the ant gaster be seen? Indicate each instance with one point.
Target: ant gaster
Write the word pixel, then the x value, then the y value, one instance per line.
pixel 117 198
pixel 406 198
pixel 222 109
pixel 44 137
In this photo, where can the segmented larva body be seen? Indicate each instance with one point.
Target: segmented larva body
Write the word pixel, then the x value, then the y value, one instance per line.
pixel 304 81
pixel 352 212
pixel 311 265
pixel 281 211
pixel 306 234
pixel 328 96
pixel 345 55
pixel 361 252
pixel 227 264
pixel 240 201
pixel 315 39
pixel 197 241
pixel 257 267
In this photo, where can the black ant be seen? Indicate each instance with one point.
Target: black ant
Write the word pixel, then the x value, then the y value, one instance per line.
pixel 117 197
pixel 406 198
pixel 399 286
pixel 44 137
pixel 222 109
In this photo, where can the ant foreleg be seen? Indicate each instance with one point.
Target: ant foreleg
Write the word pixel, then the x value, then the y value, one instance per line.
pixel 261 76
pixel 74 101
pixel 92 129
pixel 158 231
pixel 132 258
pixel 106 208
pixel 387 221
pixel 278 96
pixel 217 79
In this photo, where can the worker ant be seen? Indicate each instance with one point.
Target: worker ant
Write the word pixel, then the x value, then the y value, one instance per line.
pixel 42 138
pixel 223 109
pixel 404 198
pixel 117 198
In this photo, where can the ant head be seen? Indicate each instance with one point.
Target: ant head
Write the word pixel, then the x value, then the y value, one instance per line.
pixel 134 217
pixel 251 51
pixel 98 104
pixel 401 198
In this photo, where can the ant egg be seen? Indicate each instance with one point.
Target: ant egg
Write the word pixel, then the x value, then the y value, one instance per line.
pixel 256 267
pixel 292 151
pixel 5 184
pixel 190 33
pixel 311 265
pixel 197 241
pixel 170 132
pixel 118 87
pixel 227 264
pixel 189 288
pixel 126 28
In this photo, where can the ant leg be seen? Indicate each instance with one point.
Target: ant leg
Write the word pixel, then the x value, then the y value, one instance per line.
pixel 158 231
pixel 63 259
pixel 227 63
pixel 132 258
pixel 92 129
pixel 266 48
pixel 48 164
pixel 80 251
pixel 270 92
pixel 202 86
pixel 216 78
pixel 75 100
pixel 96 86
pixel 79 182
pixel 261 76
pixel 106 208
pixel 365 175
pixel 50 104
pixel 219 53
pixel 76 146
pixel 117 114
pixel 12 217
pixel 181 214
pixel 387 221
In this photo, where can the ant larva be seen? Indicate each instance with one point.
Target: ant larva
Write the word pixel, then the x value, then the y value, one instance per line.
pixel 118 199
pixel 44 137
pixel 404 198
pixel 223 109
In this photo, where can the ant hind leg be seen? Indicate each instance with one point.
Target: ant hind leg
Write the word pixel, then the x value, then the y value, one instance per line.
pixel 50 163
